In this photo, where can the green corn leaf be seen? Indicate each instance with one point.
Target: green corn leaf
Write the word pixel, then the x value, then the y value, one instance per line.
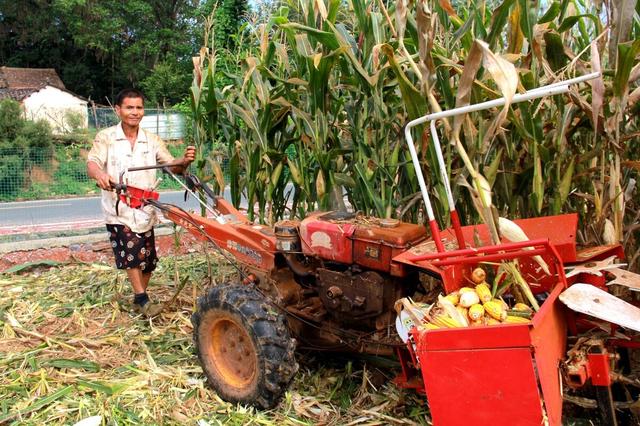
pixel 29 265
pixel 498 21
pixel 74 363
pixel 492 171
pixel 570 21
pixel 626 57
pixel 42 402
pixel 551 13
pixel 327 39
pixel 565 182
pixel 555 51
pixel 413 100
pixel 344 180
pixel 96 386
pixel 526 21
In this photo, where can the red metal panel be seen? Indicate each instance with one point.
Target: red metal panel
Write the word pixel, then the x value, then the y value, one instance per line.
pixel 481 387
pixel 549 340
pixel 489 337
pixel 328 240
pixel 599 369
pixel 247 242
pixel 402 235
pixel 372 255
pixel 599 253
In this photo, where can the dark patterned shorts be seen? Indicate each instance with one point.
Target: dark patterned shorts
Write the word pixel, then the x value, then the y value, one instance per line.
pixel 133 250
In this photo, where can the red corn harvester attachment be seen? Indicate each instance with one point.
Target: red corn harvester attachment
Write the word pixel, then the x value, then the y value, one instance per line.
pixel 512 373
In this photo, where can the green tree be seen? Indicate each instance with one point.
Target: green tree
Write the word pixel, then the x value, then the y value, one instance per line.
pixel 165 85
pixel 10 119
pixel 22 143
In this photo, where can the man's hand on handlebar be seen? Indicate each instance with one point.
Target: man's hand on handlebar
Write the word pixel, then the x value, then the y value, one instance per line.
pixel 104 181
pixel 189 155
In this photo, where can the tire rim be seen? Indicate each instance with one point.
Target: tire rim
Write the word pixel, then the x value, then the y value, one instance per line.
pixel 230 351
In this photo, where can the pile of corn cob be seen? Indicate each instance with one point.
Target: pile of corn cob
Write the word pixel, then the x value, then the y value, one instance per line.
pixel 473 306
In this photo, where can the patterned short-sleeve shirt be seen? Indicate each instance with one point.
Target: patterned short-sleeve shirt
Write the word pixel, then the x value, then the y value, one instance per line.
pixel 112 151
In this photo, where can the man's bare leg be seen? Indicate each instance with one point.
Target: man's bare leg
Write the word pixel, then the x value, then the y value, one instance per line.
pixel 136 278
pixel 146 276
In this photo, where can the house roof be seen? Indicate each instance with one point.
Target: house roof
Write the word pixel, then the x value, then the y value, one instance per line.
pixel 16 94
pixel 29 78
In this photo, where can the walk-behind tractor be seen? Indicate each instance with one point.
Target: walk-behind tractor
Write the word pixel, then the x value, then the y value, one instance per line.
pixel 518 327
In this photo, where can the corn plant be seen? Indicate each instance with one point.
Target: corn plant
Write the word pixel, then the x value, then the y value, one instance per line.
pixel 326 87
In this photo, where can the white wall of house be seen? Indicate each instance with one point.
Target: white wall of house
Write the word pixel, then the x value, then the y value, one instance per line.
pixel 61 109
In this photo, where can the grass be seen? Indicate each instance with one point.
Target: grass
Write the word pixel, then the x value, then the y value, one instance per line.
pixel 69 349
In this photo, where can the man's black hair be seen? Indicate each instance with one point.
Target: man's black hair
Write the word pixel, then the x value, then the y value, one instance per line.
pixel 128 93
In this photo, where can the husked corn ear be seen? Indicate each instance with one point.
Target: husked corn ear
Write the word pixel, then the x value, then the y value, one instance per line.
pixel 476 312
pixel 516 320
pixel 512 231
pixel 463 311
pixel 429 326
pixel 453 297
pixel 521 314
pixel 463 290
pixel 445 321
pixel 522 307
pixel 502 303
pixel 483 292
pixel 495 310
pixel 490 321
pixel 469 298
pixel 478 275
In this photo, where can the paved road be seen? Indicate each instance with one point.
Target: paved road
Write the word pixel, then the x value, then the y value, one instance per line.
pixel 67 213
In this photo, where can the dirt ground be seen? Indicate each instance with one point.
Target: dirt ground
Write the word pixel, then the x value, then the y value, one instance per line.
pixel 92 252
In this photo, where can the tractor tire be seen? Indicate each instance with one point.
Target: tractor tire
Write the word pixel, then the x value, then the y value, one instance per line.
pixel 244 346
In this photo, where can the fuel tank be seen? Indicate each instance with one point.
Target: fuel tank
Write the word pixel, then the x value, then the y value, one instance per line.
pixel 367 241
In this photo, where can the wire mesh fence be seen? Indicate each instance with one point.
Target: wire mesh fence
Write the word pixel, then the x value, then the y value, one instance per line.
pixel 55 174
pixel 58 168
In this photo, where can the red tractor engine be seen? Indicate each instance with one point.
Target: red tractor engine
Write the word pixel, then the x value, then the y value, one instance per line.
pixel 355 277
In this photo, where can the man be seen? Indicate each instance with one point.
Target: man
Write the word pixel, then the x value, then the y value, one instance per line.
pixel 130 230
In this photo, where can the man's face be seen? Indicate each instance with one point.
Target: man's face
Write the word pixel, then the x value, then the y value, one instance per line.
pixel 131 111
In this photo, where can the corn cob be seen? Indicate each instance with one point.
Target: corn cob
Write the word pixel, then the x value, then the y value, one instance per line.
pixel 490 321
pixel 463 311
pixel 522 307
pixel 496 310
pixel 429 326
pixel 450 310
pixel 445 321
pixel 478 275
pixel 510 319
pixel 453 297
pixel 521 314
pixel 476 312
pixel 513 232
pixel 483 292
pixel 469 298
pixel 502 303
